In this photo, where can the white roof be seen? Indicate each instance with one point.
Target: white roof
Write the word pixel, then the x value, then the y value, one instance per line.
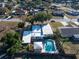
pixel 38 45
pixel 36 34
pixel 47 29
pixel 26 37
pixel 64 23
pixel 77 23
pixel 36 28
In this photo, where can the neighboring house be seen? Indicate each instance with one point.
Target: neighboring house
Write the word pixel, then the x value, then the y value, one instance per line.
pixel 68 31
pixel 58 12
pixel 34 11
pixel 72 13
pixel 2 5
pixel 18 12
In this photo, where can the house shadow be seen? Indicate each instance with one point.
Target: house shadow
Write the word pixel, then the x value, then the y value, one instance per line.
pixel 74 41
pixel 44 56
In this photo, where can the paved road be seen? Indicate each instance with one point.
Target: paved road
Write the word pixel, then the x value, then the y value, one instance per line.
pixel 65 19
pixel 11 20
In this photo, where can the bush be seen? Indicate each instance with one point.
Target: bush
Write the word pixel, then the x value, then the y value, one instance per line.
pixel 20 25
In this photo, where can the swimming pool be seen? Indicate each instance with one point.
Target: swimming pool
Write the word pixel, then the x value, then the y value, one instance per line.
pixel 50 47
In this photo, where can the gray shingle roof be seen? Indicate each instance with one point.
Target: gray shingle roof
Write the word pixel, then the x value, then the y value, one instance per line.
pixel 68 31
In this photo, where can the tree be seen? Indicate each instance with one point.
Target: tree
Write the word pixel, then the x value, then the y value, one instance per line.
pixel 13 42
pixel 11 38
pixel 28 18
pixel 15 48
pixel 38 2
pixel 42 17
pixel 20 24
pixel 33 4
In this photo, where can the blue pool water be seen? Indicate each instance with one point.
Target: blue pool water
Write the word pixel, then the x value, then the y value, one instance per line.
pixel 49 46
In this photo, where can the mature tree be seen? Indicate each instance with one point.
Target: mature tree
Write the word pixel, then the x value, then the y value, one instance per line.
pixel 11 39
pixel 42 17
pixel 13 42
pixel 33 4
pixel 38 2
pixel 20 24
pixel 15 48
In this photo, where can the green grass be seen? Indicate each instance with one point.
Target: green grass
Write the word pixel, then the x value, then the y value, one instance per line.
pixel 8 23
pixel 55 25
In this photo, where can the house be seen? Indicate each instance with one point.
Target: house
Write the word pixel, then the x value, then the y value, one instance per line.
pixel 36 36
pixel 72 13
pixel 18 12
pixel 37 32
pixel 58 12
pixel 68 31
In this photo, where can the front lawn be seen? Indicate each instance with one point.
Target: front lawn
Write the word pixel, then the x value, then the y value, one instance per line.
pixel 55 25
